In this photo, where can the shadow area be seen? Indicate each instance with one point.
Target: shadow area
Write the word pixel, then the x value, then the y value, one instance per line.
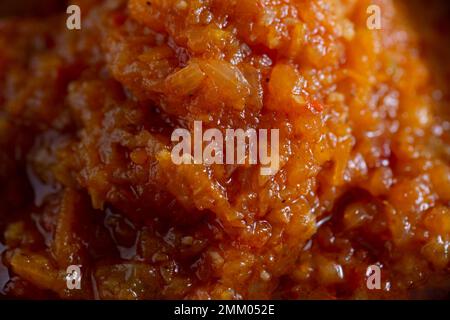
pixel 31 8
pixel 431 21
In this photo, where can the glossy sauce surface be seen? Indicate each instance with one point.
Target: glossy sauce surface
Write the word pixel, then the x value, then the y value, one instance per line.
pixel 87 178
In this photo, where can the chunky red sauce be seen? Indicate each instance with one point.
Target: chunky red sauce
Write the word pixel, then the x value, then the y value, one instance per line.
pixel 87 179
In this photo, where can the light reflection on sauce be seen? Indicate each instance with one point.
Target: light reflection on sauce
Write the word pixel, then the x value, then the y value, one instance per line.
pixel 127 252
pixel 4 274
pixel 41 190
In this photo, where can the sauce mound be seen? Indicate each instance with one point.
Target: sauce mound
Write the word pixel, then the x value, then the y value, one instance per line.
pixel 86 118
